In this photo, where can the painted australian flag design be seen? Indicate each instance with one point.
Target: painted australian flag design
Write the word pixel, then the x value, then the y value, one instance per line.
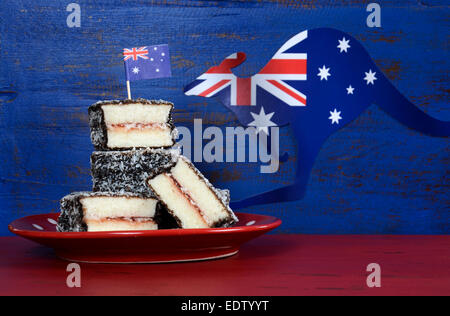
pixel 148 62
pixel 318 81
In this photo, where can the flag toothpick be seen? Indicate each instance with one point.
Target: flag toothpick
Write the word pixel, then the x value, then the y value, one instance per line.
pixel 128 89
pixel 147 62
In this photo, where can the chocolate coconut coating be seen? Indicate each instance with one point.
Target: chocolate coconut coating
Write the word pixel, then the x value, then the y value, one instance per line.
pixel 99 135
pixel 71 218
pixel 127 171
pixel 164 219
pixel 224 195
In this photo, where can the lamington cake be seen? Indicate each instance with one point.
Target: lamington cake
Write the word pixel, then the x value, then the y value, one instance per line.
pixel 106 211
pixel 190 198
pixel 128 171
pixel 140 123
pixel 139 182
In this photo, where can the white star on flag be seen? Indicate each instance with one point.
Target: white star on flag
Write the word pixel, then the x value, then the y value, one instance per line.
pixel 262 121
pixel 324 73
pixel 136 70
pixel 370 77
pixel 343 45
pixel 335 117
pixel 350 90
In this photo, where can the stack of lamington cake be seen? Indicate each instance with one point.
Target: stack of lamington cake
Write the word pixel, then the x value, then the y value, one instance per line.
pixel 139 181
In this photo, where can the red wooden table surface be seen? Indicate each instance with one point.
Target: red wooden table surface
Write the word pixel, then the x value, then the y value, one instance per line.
pixel 269 265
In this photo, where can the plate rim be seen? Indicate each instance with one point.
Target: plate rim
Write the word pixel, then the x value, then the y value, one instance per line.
pixel 275 222
pixel 223 256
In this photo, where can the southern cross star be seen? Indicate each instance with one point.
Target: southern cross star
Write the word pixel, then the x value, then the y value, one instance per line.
pixel 262 121
pixel 324 73
pixel 343 45
pixel 335 117
pixel 370 77
pixel 350 90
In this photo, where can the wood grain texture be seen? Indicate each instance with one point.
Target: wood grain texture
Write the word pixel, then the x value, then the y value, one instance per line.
pixel 374 176
pixel 268 266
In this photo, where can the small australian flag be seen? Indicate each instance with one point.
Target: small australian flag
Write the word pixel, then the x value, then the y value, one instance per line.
pixel 147 62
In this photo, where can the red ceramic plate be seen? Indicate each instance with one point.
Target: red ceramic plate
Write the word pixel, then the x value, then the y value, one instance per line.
pixel 157 246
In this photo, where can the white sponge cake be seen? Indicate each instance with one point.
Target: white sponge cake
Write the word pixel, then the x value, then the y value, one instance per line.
pixel 105 211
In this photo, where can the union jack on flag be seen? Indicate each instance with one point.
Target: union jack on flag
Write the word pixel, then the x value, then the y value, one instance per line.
pixel 135 53
pixel 284 67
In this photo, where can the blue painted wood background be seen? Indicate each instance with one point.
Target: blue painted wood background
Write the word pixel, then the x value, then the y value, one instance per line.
pixel 374 176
